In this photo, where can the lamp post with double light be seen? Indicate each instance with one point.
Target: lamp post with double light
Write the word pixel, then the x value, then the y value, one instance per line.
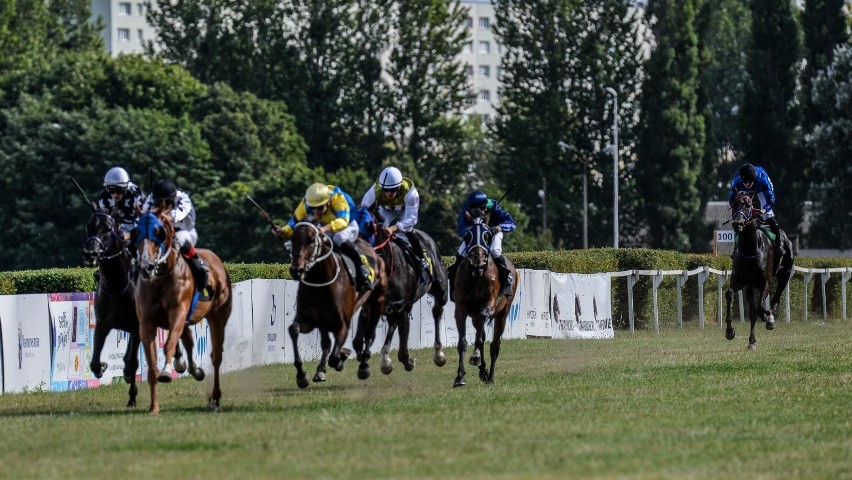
pixel 611 91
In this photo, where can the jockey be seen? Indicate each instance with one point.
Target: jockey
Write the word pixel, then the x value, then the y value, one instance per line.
pixel 122 194
pixel 754 181
pixel 478 205
pixel 331 207
pixel 398 204
pixel 166 195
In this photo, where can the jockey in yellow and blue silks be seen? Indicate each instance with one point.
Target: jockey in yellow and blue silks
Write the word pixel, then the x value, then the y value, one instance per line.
pixel 330 207
pixel 754 181
pixel 478 205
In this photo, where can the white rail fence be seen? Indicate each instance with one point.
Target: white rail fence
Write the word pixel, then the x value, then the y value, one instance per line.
pixel 702 273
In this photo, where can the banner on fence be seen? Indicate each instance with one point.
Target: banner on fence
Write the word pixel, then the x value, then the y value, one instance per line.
pixel 271 342
pixel 534 292
pixel 25 331
pixel 581 306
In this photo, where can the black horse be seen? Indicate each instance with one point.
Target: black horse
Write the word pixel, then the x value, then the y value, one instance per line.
pixel 405 289
pixel 755 263
pixel 115 306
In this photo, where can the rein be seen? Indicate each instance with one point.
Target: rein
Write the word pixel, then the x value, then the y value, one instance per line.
pixel 113 240
pixel 146 232
pixel 317 256
pixel 381 246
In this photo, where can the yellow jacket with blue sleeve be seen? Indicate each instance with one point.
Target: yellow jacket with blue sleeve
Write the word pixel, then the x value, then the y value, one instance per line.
pixel 337 216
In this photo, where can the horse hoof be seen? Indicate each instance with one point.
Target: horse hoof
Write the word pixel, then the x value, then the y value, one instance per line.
pixel 475 361
pixel 163 378
pixel 131 403
pixel 410 365
pixel 459 383
pixel 363 373
pixel 386 368
pixel 344 353
pixel 484 377
pixel 729 334
pixel 198 374
pixel 751 347
pixel 319 377
pixel 302 382
pixel 213 405
pixel 770 325
pixel 439 358
pixel 180 365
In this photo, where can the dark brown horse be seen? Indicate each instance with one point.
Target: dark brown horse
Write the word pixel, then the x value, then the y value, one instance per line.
pixel 477 294
pixel 115 303
pixel 327 300
pixel 754 266
pixel 404 290
pixel 164 296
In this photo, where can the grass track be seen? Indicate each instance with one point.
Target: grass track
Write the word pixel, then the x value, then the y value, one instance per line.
pixel 681 404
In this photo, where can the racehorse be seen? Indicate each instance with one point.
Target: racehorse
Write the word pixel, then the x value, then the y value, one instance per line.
pixel 753 267
pixel 115 303
pixel 404 290
pixel 165 299
pixel 477 294
pixel 327 300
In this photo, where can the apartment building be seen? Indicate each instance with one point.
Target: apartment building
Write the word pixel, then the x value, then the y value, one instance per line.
pixel 481 57
pixel 126 29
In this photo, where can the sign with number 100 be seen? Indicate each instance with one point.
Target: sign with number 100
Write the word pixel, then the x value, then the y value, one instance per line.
pixel 724 236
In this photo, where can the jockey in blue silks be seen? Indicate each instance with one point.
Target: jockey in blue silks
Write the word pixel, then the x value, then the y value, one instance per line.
pixel 478 205
pixel 755 182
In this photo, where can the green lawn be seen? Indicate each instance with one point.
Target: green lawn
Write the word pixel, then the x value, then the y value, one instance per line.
pixel 681 404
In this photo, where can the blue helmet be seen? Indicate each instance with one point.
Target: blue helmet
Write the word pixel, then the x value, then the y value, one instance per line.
pixel 477 199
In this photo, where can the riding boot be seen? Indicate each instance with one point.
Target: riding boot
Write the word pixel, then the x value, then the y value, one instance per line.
pixel 451 273
pixel 196 266
pixel 506 278
pixel 362 268
pixel 421 255
pixel 773 225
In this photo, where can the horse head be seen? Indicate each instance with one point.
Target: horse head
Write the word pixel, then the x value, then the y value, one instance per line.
pixel 742 212
pixel 477 245
pixel 103 238
pixel 307 247
pixel 154 242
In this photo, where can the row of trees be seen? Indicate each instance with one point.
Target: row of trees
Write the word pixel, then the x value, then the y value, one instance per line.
pixel 266 97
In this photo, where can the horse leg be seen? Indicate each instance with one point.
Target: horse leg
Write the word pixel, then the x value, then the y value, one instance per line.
pixel 496 340
pixel 101 331
pixel 461 326
pixel 783 278
pixel 301 376
pixel 148 334
pixel 365 335
pixel 179 361
pixel 385 362
pixel 729 330
pixel 479 348
pixel 437 313
pixel 131 364
pixel 404 329
pixel 768 314
pixel 176 325
pixel 752 316
pixel 325 343
pixel 217 339
pixel 189 345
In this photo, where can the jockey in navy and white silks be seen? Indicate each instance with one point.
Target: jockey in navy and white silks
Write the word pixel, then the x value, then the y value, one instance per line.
pixel 120 193
pixel 398 204
pixel 754 181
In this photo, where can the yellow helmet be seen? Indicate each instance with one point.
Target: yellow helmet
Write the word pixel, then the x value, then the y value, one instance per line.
pixel 317 195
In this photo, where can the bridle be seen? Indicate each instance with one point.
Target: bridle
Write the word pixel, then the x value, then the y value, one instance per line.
pixel 476 238
pixel 320 242
pixel 112 240
pixel 746 211
pixel 147 225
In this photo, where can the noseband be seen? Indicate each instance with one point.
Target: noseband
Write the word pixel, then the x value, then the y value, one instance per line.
pixel 475 239
pixel 113 240
pixel 746 210
pixel 319 241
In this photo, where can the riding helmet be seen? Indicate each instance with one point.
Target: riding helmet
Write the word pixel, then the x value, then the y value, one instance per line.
pixel 317 195
pixel 477 199
pixel 390 178
pixel 116 177
pixel 748 173
pixel 163 190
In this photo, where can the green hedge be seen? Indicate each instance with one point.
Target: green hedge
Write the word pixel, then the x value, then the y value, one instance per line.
pixel 572 261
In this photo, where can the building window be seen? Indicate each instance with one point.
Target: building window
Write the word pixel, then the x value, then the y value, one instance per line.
pixel 468 47
pixel 468 22
pixel 140 36
pixel 140 8
pixel 484 47
pixel 468 70
pixel 484 96
pixel 484 71
pixel 123 34
pixel 484 22
pixel 124 8
pixel 499 72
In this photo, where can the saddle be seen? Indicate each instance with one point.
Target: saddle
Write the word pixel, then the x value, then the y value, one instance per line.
pixel 350 267
pixel 401 239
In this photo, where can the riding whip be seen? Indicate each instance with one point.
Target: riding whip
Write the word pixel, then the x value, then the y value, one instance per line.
pixel 504 195
pixel 83 193
pixel 263 212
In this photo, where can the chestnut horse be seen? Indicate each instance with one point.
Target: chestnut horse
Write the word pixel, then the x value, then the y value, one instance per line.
pixel 753 267
pixel 404 290
pixel 115 303
pixel 164 296
pixel 477 294
pixel 327 300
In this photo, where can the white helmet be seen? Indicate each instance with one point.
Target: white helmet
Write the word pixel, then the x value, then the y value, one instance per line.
pixel 390 178
pixel 116 177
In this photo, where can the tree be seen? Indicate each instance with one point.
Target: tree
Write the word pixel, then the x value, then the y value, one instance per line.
pixel 671 139
pixel 825 25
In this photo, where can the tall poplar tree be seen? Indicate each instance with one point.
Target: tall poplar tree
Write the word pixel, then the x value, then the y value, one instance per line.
pixel 671 140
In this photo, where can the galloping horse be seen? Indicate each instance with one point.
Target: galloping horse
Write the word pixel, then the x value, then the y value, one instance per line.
pixel 165 299
pixel 754 266
pixel 404 290
pixel 327 300
pixel 115 305
pixel 477 294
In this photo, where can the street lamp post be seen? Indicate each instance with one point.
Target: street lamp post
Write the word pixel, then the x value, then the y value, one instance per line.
pixel 572 148
pixel 611 91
